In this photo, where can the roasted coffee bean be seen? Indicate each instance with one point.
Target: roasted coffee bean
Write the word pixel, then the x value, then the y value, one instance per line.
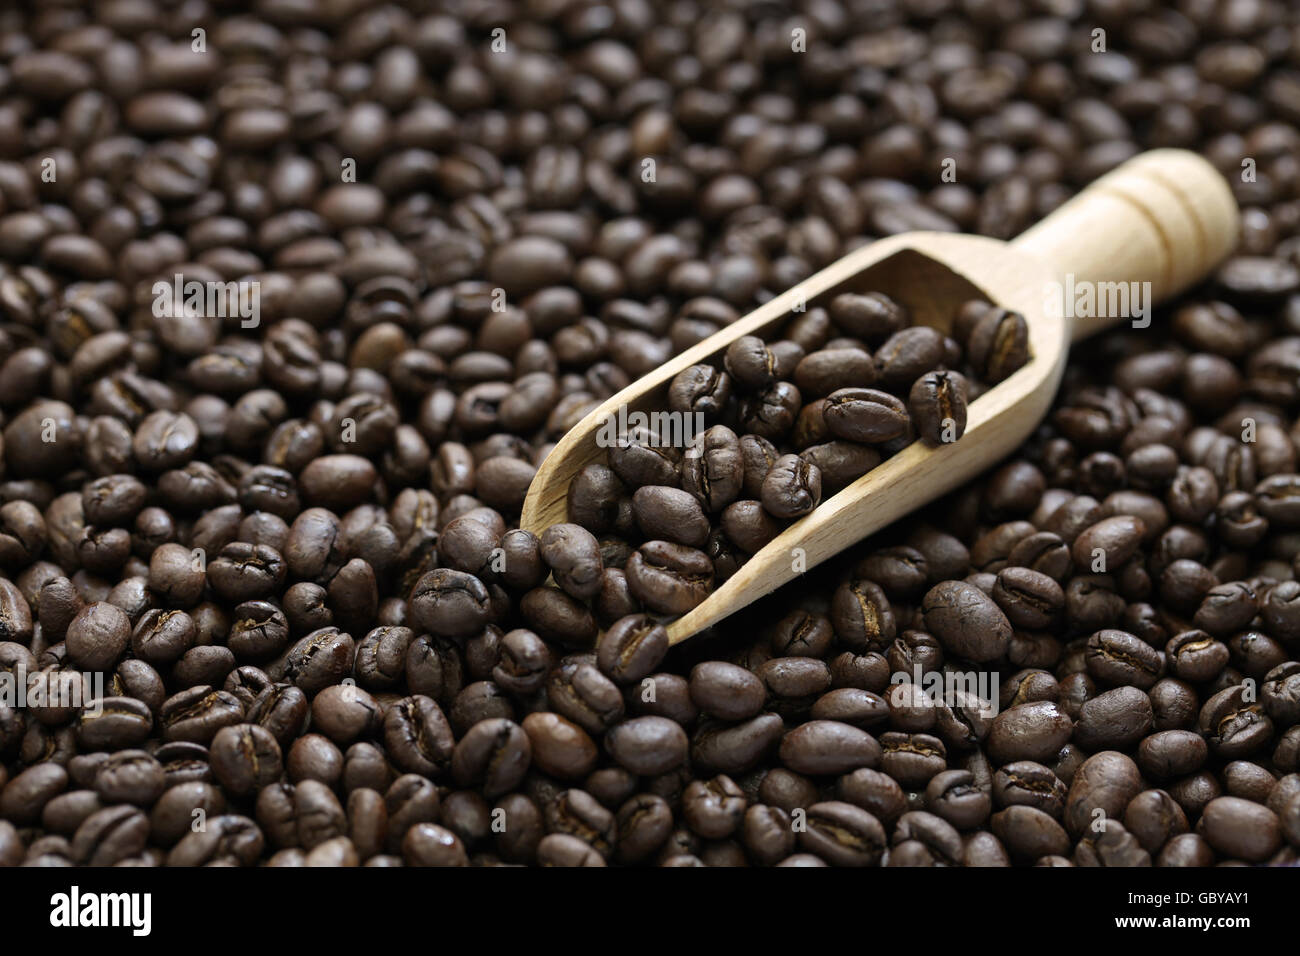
pixel 1240 829
pixel 117 722
pixel 1029 833
pixel 955 796
pixel 937 404
pixel 823 747
pixel 767 833
pixel 999 344
pixel 1034 731
pixel 1195 656
pixel 584 695
pixel 647 745
pixel 670 514
pixel 912 759
pixel 771 412
pixel 1030 599
pixel 1105 782
pixel 1116 719
pixel 417 735
pixel 283 710
pixel 700 390
pixel 98 636
pixel 669 578
pixel 522 662
pixel 559 747
pixel 1234 723
pixel 449 603
pixel 792 488
pixel 800 634
pixel 862 616
pixel 967 621
pixel 110 835
pixel 315 661
pixel 631 648
pixel 559 618
pixel 843 834
pixel 573 555
pixel 1117 657
pixel 345 712
pixel 245 758
pixel 726 691
pixel 494 755
pixel 161 637
pixel 563 849
pixel 26 795
pixel 643 457
pixel 259 631
pixel 865 415
pixel 749 525
pixel 907 355
pixel 873 316
pixel 736 748
pixel 714 808
pixel 750 364
pixel 1027 783
pixel 713 468
pixel 130 776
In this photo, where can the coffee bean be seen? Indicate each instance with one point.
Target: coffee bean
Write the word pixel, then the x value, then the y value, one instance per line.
pixel 999 344
pixel 417 735
pixel 1240 828
pixel 1105 782
pixel 792 488
pixel 907 355
pixel 573 555
pixel 937 405
pixel 736 748
pixel 865 415
pixel 966 620
pixel 669 578
pixel 822 747
pixel 494 755
pixel 245 758
pixel 647 745
pixel 1033 731
pixel 670 514
pixel 1117 657
pixel 449 603
pixel 843 834
pixel 632 648
pixel 560 747
pixel 98 636
pixel 427 844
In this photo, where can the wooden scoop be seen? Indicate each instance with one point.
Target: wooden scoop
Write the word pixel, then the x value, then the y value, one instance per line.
pixel 1166 217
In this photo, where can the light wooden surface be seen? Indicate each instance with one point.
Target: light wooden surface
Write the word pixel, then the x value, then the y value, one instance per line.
pixel 1166 217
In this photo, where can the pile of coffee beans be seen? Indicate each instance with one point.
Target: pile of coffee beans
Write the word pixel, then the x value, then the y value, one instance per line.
pixel 295 297
pixel 811 420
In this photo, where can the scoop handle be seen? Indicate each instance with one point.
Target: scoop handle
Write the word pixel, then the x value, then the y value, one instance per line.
pixel 1165 217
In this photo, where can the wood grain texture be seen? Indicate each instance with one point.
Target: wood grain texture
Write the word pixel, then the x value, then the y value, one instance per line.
pixel 1165 217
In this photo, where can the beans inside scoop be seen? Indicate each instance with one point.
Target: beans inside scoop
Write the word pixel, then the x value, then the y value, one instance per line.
pixel 747 448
